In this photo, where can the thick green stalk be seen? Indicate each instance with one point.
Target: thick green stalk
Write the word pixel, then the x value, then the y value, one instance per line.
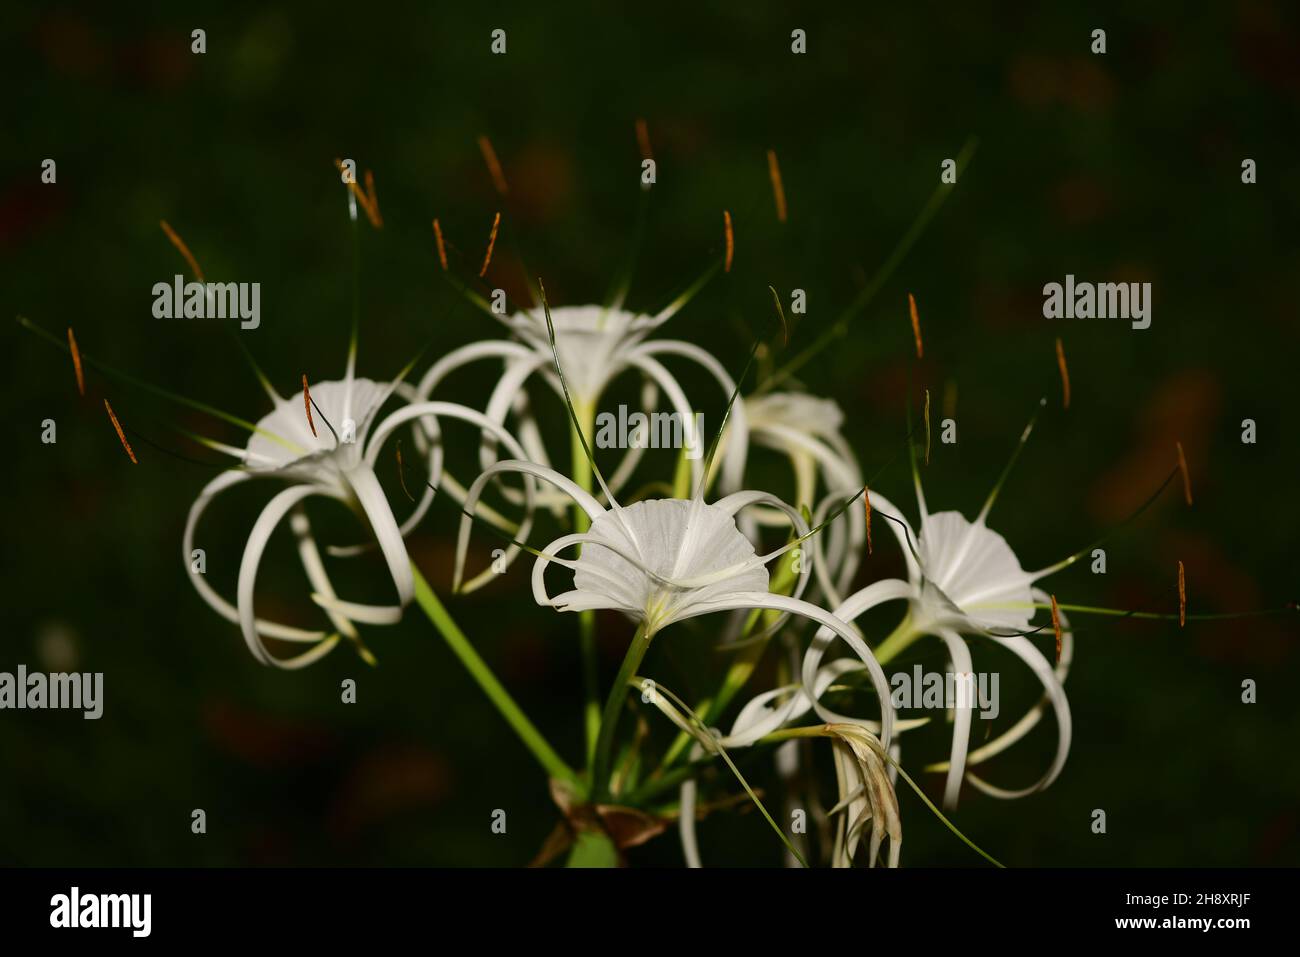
pixel 582 474
pixel 614 709
pixel 592 849
pixel 496 692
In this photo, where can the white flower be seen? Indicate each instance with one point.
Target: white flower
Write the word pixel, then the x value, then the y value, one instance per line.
pixel 665 560
pixel 595 345
pixel 806 429
pixel 964 579
pixel 336 462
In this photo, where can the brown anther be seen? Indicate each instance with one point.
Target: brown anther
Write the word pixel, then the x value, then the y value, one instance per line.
pixel 1182 597
pixel 183 249
pixel 1187 476
pixel 1056 627
pixel 866 503
pixel 76 362
pixel 916 325
pixel 372 209
pixel 643 138
pixel 778 189
pixel 401 471
pixel 731 241
pixel 120 434
pixel 927 426
pixel 369 207
pixel 492 241
pixel 1065 372
pixel 493 165
pixel 306 403
pixel 442 248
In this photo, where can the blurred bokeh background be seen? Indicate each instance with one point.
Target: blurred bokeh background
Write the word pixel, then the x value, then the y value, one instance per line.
pixel 1122 166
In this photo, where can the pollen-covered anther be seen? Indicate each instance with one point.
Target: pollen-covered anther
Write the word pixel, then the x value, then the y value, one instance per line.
pixel 1187 476
pixel 866 504
pixel 401 471
pixel 372 209
pixel 1056 627
pixel 1065 373
pixel 492 241
pixel 120 434
pixel 442 247
pixel 182 249
pixel 368 202
pixel 76 362
pixel 493 165
pixel 1182 596
pixel 916 325
pixel 731 240
pixel 306 403
pixel 778 188
pixel 927 426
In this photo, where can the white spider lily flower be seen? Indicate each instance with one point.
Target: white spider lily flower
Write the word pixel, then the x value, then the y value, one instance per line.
pixel 964 579
pixel 337 462
pixel 807 430
pixel 665 560
pixel 595 345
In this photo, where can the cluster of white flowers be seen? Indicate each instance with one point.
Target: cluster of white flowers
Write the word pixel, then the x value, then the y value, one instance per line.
pixel 657 560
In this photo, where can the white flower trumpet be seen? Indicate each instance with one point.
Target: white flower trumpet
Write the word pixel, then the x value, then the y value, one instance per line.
pixel 596 345
pixel 806 429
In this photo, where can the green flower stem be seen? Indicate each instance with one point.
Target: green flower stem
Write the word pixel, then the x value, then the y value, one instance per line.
pixel 582 474
pixel 496 692
pixel 742 666
pixel 614 709
pixel 592 849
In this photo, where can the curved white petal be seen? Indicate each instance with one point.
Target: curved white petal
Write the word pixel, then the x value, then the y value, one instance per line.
pixel 309 554
pixel 375 505
pixel 832 625
pixel 959 655
pixel 489 349
pixel 681 406
pixel 855 605
pixel 632 457
pixel 271 516
pixel 218 604
pixel 425 410
pixel 686 824
pixel 581 498
pixel 503 395
pixel 1026 651
pixel 738 437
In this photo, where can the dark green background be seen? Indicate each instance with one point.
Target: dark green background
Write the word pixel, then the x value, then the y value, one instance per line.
pixel 1123 166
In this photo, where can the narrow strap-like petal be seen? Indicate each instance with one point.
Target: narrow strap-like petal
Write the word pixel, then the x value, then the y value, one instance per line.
pixel 218 604
pixel 271 516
